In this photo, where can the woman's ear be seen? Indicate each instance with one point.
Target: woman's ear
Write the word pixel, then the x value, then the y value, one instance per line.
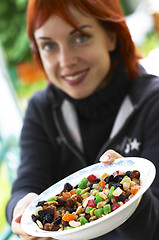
pixel 111 41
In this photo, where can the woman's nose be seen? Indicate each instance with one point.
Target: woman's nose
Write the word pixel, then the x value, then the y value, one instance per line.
pixel 67 57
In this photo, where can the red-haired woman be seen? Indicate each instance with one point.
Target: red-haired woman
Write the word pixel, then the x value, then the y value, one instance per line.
pixel 98 97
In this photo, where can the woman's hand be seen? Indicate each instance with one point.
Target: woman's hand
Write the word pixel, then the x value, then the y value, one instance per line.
pixel 17 215
pixel 109 157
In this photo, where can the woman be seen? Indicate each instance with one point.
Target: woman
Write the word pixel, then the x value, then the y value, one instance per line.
pixel 98 97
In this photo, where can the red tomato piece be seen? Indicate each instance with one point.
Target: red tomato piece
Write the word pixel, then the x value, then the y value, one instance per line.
pixel 91 203
pixel 115 173
pixel 91 178
pixel 114 206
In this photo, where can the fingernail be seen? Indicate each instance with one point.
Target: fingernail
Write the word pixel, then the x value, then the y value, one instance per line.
pixel 17 218
pixel 105 158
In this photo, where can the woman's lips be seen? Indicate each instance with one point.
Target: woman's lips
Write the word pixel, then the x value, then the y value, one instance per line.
pixel 75 78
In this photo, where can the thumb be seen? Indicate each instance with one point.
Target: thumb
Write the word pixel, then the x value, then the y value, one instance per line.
pixel 109 156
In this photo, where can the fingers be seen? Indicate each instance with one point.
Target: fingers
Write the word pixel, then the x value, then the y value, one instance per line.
pixel 109 156
pixel 18 212
pixel 16 227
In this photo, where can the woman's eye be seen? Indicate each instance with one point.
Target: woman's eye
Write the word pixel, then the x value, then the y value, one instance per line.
pixel 81 38
pixel 48 46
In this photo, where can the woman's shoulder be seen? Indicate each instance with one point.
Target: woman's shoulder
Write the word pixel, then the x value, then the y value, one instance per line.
pixel 144 87
pixel 45 97
pixel 39 96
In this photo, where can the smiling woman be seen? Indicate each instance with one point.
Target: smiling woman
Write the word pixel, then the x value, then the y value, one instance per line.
pixel 108 14
pixel 98 97
pixel 71 59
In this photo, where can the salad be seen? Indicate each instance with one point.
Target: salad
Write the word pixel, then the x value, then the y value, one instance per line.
pixel 91 199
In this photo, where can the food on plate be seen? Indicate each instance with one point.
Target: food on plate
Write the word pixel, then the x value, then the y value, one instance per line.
pixel 91 199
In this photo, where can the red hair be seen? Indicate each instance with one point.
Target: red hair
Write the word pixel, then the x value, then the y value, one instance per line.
pixel 108 12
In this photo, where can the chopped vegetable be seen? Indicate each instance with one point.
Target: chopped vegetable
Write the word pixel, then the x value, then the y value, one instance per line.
pixel 98 212
pixel 91 203
pixel 83 220
pixel 68 217
pixel 91 178
pixel 135 189
pixel 110 194
pixel 107 209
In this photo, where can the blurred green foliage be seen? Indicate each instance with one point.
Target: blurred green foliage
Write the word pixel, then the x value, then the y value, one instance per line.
pixel 151 42
pixel 125 6
pixel 13 31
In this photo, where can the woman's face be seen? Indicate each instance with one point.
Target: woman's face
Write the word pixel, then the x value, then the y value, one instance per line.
pixel 75 63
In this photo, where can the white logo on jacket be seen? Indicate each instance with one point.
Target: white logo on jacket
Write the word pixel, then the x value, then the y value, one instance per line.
pixel 132 144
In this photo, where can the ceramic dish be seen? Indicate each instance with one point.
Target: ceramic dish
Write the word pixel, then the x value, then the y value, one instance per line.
pixel 102 225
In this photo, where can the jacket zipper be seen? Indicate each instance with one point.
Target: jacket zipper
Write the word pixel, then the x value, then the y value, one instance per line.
pixel 77 154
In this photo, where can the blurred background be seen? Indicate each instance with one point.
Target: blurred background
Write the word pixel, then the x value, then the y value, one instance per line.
pixel 20 78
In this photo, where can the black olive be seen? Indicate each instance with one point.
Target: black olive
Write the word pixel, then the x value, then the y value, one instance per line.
pixel 68 187
pixel 109 179
pixel 57 220
pixel 121 198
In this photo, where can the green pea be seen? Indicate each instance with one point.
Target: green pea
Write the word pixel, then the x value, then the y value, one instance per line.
pixel 107 209
pixel 78 190
pixel 82 185
pixel 84 180
pixel 51 199
pixel 88 209
pixel 110 194
pixel 83 220
pixel 98 199
pixel 98 212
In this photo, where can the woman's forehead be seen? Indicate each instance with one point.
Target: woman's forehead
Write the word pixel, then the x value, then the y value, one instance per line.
pixel 55 21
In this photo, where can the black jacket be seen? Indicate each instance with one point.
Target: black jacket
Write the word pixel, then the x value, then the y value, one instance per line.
pixel 50 153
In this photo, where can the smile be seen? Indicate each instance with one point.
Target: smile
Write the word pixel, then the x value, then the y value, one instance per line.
pixel 76 78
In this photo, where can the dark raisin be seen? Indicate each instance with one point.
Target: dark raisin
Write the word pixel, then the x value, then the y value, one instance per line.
pixel 118 178
pixel 35 218
pixel 51 208
pixel 61 201
pixel 70 202
pixel 135 174
pixel 79 198
pixel 68 187
pixel 48 218
pixel 109 179
pixel 43 213
pixel 87 216
pixel 65 224
pixel 128 173
pixel 41 203
pixel 57 220
pixel 96 181
pixel 121 198
pixel 71 210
